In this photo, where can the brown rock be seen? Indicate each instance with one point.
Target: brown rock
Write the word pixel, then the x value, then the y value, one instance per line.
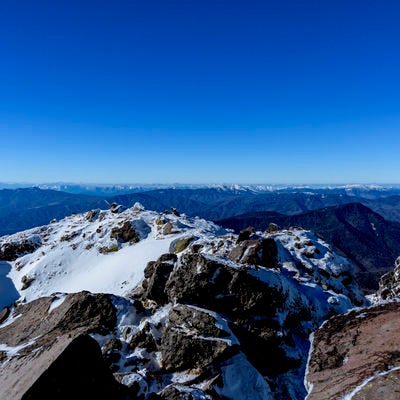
pixel 348 349
pixel 68 368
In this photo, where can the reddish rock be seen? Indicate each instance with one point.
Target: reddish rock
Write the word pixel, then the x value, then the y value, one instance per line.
pixel 351 348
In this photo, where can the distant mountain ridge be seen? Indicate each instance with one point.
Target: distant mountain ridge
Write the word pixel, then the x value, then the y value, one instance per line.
pixel 371 191
pixel 29 207
pixel 26 208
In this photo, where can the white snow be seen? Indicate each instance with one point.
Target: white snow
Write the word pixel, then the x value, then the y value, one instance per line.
pixel 70 258
pixel 14 350
pixel 242 381
pixel 57 301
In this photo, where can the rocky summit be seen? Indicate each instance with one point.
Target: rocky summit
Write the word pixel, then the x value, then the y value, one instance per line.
pixel 134 304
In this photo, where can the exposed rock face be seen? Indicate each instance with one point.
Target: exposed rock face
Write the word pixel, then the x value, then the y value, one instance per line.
pixel 116 208
pixel 223 319
pixel 193 339
pixel 48 352
pixel 76 314
pixel 125 233
pixel 256 252
pixel 156 275
pixel 389 285
pixel 75 370
pixel 10 251
pixel 350 349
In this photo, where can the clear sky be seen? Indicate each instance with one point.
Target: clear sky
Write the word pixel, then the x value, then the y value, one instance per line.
pixel 200 91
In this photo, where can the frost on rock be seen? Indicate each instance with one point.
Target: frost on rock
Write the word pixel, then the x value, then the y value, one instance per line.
pixel 190 311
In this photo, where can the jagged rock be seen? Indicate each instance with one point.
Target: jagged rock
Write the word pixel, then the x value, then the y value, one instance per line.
pixel 108 249
pixel 173 392
pixel 348 349
pixel 77 314
pixel 67 368
pixel 175 211
pixel 389 284
pixel 192 339
pixel 91 215
pixel 272 228
pixel 125 233
pixel 245 234
pixel 4 314
pixel 256 252
pixel 10 251
pixel 26 282
pixel 156 275
pixel 137 386
pixel 169 229
pixel 144 339
pixel 116 208
pixel 111 351
pixel 242 295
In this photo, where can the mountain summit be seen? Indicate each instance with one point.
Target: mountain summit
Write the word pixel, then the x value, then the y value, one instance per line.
pixel 176 307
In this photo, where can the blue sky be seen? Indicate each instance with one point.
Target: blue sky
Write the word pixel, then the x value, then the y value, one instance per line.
pixel 200 91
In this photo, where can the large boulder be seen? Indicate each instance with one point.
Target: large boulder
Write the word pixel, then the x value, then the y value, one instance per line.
pixel 195 338
pixel 256 252
pixel 70 367
pixel 44 320
pixel 11 250
pixel 352 350
pixel 48 353
pixel 156 275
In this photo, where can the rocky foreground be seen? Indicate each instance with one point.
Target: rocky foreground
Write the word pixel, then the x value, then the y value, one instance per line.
pixel 218 316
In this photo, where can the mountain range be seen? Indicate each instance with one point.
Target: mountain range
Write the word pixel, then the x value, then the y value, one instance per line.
pixel 28 207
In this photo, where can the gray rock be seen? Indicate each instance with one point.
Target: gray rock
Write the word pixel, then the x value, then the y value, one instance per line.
pixel 156 276
pixel 190 340
pixel 256 252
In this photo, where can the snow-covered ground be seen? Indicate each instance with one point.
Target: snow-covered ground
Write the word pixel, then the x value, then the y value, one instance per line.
pixel 78 253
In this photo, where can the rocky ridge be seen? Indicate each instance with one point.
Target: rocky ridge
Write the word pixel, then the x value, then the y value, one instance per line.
pixel 214 316
pixel 357 355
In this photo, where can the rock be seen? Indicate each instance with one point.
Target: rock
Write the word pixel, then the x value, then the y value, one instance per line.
pixel 116 208
pixel 111 351
pixel 175 211
pixel 242 296
pixel 4 314
pixel 272 228
pixel 79 313
pixel 348 349
pixel 67 368
pixel 26 282
pixel 256 252
pixel 173 392
pixel 169 229
pixel 156 275
pixel 245 234
pixel 137 386
pixel 91 215
pixel 125 233
pixel 192 339
pixel 108 249
pixel 10 251
pixel 181 244
pixel 144 339
pixel 389 284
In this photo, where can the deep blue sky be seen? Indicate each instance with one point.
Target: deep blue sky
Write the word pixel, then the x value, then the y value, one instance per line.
pixel 200 91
